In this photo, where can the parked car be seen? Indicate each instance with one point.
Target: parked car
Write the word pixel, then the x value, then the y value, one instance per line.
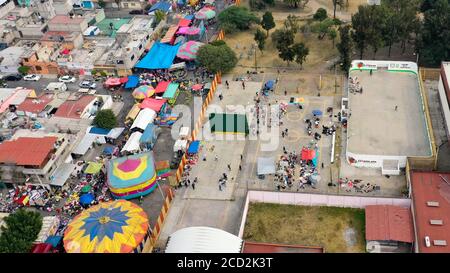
pixel 137 11
pixel 32 77
pixel 13 77
pixel 88 84
pixel 67 79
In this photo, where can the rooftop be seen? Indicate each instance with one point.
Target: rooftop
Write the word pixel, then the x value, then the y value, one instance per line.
pixel 36 105
pixel 57 35
pixel 136 24
pixel 431 203
pixel 27 151
pixel 105 27
pixel 389 223
pixel 74 108
pixel 66 20
pixel 375 127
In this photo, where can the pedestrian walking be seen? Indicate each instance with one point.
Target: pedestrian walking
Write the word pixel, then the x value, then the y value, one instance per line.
pixel 282 134
pixel 322 162
pixel 193 186
pixel 229 167
pixel 240 167
pixel 227 84
pixel 216 158
pixel 243 85
pixel 220 186
pixel 242 157
pixel 396 108
pixel 220 97
pixel 285 92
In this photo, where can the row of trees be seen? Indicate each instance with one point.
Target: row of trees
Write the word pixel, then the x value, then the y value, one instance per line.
pixel 20 231
pixel 398 21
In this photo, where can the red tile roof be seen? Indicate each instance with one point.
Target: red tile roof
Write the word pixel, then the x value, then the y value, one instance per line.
pixel 36 105
pixel 389 223
pixel 252 247
pixel 74 108
pixel 27 151
pixel 429 186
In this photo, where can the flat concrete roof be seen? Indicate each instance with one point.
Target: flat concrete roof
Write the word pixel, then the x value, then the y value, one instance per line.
pixel 375 127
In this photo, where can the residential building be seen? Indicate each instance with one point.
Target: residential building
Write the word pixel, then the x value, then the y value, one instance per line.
pixel 7 32
pixel 32 156
pixel 133 4
pixel 389 229
pixel 43 8
pixel 34 107
pixel 78 107
pixel 11 57
pixel 444 94
pixel 63 39
pixel 430 196
pixel 44 60
pixel 6 7
pixel 29 24
pixel 81 61
pixel 68 23
pixel 132 39
pixel 62 7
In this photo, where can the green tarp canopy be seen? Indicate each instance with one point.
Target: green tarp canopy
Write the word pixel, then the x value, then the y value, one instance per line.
pixel 93 168
pixel 229 123
pixel 171 91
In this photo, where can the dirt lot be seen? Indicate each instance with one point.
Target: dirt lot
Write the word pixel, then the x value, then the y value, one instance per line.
pixel 334 229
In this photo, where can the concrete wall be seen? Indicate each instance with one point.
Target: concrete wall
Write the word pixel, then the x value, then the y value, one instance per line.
pixel 307 199
pixel 62 7
pixel 373 161
pixel 445 106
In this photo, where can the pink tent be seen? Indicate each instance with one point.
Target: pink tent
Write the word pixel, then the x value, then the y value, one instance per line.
pixel 162 87
pixel 188 30
pixel 153 104
pixel 184 22
pixel 113 82
pixel 129 165
pixel 308 154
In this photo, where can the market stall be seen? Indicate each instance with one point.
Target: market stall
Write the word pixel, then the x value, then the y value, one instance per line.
pixel 171 93
pixel 111 227
pixel 132 176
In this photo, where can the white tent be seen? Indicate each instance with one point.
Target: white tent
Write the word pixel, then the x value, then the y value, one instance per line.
pixel 84 145
pixel 203 240
pixel 132 144
pixel 144 117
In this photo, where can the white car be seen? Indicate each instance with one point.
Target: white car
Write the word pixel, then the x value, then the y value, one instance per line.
pixel 67 79
pixel 88 84
pixel 32 77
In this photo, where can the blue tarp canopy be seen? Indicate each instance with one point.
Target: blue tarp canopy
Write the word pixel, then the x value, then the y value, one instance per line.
pixel 99 131
pixel 53 240
pixel 86 199
pixel 132 82
pixel 269 84
pixel 317 112
pixel 149 134
pixel 161 5
pixel 189 17
pixel 193 148
pixel 109 150
pixel 161 56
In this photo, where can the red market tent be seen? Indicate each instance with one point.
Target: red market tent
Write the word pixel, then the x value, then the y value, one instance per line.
pixel 184 23
pixel 42 248
pixel 153 104
pixel 162 87
pixel 308 154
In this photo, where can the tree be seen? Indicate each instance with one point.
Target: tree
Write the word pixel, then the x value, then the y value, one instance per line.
pixel 322 28
pixel 101 4
pixel 345 47
pixel 257 5
pixel 361 22
pixel 300 51
pixel 267 22
pixel 23 70
pixel 336 3
pixel 260 39
pixel 435 36
pixel 320 15
pixel 332 34
pixel 105 119
pixel 296 3
pixel 292 23
pixel 217 58
pixel 159 16
pixel 236 18
pixel 286 53
pixel 282 38
pixel 20 231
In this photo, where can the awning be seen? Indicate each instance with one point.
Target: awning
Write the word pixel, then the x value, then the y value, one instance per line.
pixel 61 174
pixel 266 165
pixel 194 147
pixel 109 150
pixel 162 87
pixel 133 81
pixel 115 132
pixel 153 104
pixel 132 144
pixel 84 144
pixel 171 91
pixel 308 154
pixel 93 168
pixel 99 131
pixel 161 56
pixel 145 117
pixel 149 134
pixel 184 23
pixel 162 5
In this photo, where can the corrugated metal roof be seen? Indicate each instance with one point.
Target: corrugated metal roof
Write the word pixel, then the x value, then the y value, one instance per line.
pixel 389 223
pixel 203 240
